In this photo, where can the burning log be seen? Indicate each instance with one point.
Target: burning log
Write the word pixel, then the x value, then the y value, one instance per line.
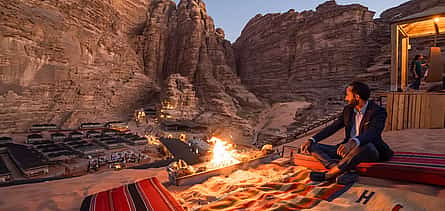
pixel 223 154
pixel 224 160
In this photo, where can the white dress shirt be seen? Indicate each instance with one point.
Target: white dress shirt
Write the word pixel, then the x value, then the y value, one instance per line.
pixel 355 127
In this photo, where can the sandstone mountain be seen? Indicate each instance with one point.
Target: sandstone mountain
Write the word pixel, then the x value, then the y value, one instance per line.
pixel 182 39
pixel 313 55
pixel 67 62
pixel 309 56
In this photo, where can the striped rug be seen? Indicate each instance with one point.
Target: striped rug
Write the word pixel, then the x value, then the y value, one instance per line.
pixel 148 194
pixel 424 168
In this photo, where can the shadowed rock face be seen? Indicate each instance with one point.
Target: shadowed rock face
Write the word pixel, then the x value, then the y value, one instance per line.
pixel 310 54
pixel 67 62
pixel 70 61
pixel 179 101
pixel 74 61
pixel 313 55
pixel 183 40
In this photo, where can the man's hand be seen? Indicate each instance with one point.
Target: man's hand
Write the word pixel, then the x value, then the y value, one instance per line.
pixel 304 148
pixel 344 149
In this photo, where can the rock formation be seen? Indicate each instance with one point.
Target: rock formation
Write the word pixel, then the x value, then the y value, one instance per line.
pixel 179 101
pixel 182 39
pixel 67 62
pixel 309 56
pixel 312 55
pixel 74 61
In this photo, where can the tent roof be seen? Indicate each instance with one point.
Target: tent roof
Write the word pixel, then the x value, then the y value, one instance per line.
pixel 423 23
pixel 427 14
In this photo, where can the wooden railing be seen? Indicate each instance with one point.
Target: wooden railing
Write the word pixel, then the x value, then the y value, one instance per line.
pixel 308 129
pixel 415 110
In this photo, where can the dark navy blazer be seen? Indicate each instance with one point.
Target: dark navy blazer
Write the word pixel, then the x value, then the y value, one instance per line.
pixel 371 128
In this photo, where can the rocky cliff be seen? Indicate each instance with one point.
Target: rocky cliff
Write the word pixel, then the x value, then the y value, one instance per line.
pixel 182 39
pixel 67 62
pixel 310 56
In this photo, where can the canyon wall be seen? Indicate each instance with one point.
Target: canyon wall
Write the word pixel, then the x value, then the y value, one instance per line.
pixel 310 56
pixel 313 55
pixel 182 39
pixel 67 62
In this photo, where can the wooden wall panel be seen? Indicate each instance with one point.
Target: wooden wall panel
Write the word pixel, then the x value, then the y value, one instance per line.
pixel 400 113
pixel 395 112
pixel 389 108
pixel 415 110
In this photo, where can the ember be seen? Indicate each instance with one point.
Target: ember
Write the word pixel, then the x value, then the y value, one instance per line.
pixel 223 154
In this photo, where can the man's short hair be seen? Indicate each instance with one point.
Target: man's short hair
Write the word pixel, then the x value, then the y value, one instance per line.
pixel 361 89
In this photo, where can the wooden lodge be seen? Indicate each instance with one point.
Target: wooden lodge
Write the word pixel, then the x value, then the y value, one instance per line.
pixel 416 109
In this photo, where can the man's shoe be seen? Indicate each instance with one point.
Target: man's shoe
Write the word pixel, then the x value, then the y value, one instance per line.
pixel 347 178
pixel 317 176
pixel 332 164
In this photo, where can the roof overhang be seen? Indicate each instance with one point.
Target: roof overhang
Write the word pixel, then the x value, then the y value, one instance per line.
pixel 427 23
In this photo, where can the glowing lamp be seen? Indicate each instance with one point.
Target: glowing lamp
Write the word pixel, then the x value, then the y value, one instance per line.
pixel 436 20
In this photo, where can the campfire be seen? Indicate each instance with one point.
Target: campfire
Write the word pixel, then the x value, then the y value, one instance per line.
pixel 223 158
pixel 223 154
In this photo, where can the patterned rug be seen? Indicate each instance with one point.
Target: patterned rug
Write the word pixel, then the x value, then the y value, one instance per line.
pixel 294 192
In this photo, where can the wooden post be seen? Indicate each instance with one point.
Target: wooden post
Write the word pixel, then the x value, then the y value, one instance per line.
pixel 404 63
pixel 394 57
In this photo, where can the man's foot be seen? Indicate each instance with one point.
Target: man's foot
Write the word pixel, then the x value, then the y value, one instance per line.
pixel 333 173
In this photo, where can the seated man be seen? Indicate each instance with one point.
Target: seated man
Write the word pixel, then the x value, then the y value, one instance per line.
pixel 364 122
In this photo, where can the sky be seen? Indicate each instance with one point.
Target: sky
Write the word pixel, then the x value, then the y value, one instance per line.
pixel 233 15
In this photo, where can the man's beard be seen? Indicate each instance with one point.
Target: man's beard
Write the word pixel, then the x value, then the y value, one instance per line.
pixel 353 102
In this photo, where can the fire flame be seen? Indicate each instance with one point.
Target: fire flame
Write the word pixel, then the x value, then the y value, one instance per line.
pixel 223 154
